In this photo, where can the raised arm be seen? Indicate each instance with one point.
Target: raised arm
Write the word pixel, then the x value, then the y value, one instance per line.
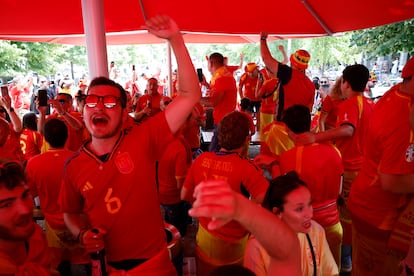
pixel 285 57
pixel 14 118
pixel 217 200
pixel 267 58
pixel 189 89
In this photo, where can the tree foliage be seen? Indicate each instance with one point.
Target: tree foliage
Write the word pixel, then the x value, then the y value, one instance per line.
pixel 387 39
pixel 326 52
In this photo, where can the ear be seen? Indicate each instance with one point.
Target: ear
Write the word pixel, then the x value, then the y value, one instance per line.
pixel 276 211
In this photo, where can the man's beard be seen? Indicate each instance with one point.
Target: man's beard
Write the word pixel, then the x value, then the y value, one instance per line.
pixel 16 234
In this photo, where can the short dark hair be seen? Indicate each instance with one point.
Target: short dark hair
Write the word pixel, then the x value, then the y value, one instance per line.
pixel 106 81
pixel 55 132
pixel 66 95
pixel 29 121
pixel 357 76
pixel 11 174
pixel 279 188
pixel 233 130
pixel 297 118
pixel 216 58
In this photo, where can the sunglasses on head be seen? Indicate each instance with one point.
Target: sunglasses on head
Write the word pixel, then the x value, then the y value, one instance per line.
pixel 109 101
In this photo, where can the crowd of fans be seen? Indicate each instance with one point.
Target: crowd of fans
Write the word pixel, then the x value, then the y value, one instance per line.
pixel 329 192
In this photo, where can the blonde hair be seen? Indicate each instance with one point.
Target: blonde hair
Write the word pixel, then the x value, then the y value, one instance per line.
pixel 335 92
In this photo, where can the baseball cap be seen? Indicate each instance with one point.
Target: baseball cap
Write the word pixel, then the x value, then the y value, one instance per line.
pixel 300 59
pixel 408 70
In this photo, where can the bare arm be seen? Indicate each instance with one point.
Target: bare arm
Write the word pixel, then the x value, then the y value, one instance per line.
pixel 285 57
pixel 322 120
pixel 70 119
pixel 14 118
pixel 267 58
pixel 75 222
pixel 189 93
pixel 340 132
pixel 217 200
pixel 241 60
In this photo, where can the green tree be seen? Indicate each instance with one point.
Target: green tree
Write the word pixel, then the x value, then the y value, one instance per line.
pixel 387 39
pixel 12 59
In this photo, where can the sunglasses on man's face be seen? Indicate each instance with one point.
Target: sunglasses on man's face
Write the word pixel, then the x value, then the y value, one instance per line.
pixel 324 82
pixel 109 101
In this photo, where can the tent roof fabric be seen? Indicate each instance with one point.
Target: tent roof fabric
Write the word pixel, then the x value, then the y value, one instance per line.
pixel 46 20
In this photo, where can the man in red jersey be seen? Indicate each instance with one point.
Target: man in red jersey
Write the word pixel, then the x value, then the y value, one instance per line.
pixel 63 110
pixel 385 183
pixel 320 166
pixel 249 83
pixel 296 87
pixel 222 93
pixel 149 104
pixel 109 197
pixel 23 248
pixel 225 245
pixel 44 174
pixel 354 117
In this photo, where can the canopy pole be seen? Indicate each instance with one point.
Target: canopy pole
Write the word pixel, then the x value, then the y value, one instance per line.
pixel 316 16
pixel 143 10
pixel 94 25
pixel 169 65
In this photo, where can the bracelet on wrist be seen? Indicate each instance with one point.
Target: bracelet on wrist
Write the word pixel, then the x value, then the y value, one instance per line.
pixel 11 109
pixel 263 37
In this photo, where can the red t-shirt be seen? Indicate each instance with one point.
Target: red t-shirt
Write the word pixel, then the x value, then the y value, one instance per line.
pixel 16 96
pixel 37 261
pixel 320 166
pixel 331 107
pixel 236 171
pixel 154 101
pixel 120 195
pixel 172 166
pixel 269 96
pixel 44 174
pixel 249 85
pixel 298 88
pixel 11 149
pixel 390 150
pixel 355 111
pixel 31 143
pixel 223 85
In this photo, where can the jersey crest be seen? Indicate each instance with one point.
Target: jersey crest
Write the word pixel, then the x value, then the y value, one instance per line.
pixel 409 154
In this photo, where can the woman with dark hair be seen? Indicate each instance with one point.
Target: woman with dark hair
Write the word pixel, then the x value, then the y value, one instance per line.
pixel 31 141
pixel 289 198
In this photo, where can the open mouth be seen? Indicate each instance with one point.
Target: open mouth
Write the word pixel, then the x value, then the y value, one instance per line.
pixel 307 224
pixel 99 120
pixel 24 221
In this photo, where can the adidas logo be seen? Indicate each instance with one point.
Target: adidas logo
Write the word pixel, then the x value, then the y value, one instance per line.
pixel 88 186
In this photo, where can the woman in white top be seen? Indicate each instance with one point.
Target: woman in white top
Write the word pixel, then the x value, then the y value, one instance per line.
pixel 289 198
